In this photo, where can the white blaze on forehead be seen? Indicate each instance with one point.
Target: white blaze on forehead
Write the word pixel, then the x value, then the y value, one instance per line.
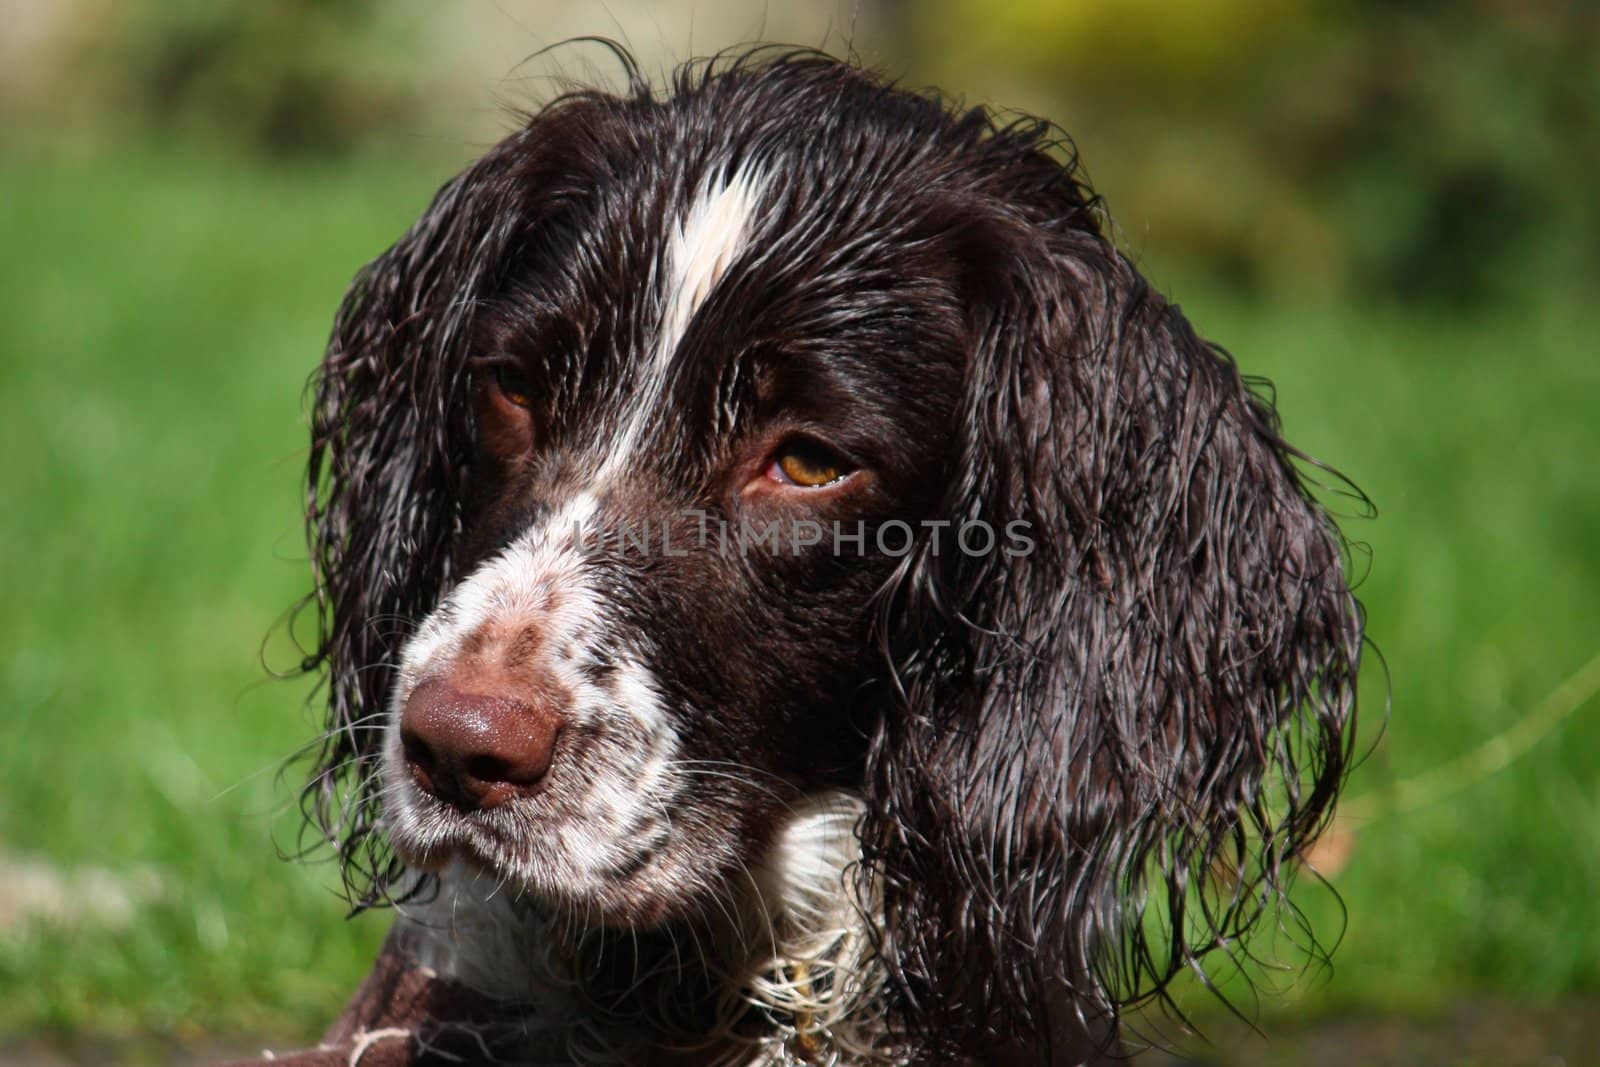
pixel 704 242
pixel 704 245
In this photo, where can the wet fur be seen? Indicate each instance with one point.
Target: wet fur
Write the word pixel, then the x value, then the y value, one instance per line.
pixel 1078 773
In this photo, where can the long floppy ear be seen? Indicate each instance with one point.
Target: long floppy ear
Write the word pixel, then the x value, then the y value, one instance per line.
pixel 1111 744
pixel 391 443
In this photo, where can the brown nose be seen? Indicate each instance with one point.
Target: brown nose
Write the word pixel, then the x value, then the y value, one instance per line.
pixel 476 751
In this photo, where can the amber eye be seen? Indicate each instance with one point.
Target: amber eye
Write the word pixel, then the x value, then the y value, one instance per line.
pixel 512 384
pixel 807 464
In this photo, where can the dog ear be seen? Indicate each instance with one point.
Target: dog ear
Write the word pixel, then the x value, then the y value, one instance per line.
pixel 391 444
pixel 1114 735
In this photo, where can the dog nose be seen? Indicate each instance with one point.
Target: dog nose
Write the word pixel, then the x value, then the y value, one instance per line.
pixel 474 750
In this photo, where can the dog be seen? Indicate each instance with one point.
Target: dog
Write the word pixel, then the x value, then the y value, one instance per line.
pixel 790 592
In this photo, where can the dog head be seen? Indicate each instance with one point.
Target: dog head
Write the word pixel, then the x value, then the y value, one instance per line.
pixel 695 455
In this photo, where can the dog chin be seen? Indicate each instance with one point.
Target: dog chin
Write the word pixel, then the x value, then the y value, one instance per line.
pixel 635 900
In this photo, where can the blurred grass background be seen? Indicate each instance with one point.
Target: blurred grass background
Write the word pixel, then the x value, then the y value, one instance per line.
pixel 1389 209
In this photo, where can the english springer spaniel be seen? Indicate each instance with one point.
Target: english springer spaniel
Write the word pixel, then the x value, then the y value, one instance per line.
pixel 791 593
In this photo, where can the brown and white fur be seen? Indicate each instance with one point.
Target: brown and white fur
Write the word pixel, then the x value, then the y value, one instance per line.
pixel 895 796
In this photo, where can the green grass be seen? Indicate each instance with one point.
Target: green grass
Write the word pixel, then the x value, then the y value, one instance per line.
pixel 1475 437
pixel 158 317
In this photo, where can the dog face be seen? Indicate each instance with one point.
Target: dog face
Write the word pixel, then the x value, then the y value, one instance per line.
pixel 685 459
pixel 695 456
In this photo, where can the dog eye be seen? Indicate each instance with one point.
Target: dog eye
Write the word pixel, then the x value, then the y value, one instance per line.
pixel 513 385
pixel 807 464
